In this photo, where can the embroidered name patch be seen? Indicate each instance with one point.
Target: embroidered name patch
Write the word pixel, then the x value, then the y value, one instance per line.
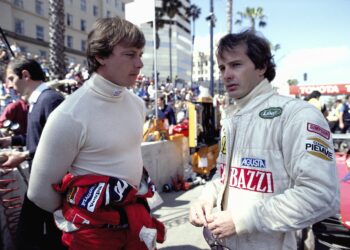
pixel 319 148
pixel 91 197
pixel 251 179
pixel 318 130
pixel 270 113
pixel 253 162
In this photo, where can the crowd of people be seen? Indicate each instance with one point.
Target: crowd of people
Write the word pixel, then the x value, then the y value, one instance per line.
pixel 86 167
pixel 337 113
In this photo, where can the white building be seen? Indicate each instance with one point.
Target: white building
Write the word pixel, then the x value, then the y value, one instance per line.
pixel 174 50
pixel 26 23
pixel 201 70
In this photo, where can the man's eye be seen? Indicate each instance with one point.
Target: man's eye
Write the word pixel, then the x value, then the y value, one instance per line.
pixel 235 64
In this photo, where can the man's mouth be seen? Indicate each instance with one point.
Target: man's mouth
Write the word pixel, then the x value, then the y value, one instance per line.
pixel 231 86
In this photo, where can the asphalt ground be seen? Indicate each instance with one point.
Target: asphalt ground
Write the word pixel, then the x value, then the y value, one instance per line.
pixel 173 212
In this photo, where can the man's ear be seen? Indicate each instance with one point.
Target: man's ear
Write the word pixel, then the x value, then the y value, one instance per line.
pixel 262 71
pixel 100 60
pixel 26 75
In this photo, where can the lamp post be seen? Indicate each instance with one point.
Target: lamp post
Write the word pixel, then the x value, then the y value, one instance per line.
pixel 211 18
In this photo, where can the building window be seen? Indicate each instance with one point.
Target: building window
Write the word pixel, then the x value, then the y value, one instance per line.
pixel 82 25
pixel 19 26
pixel 83 5
pixel 23 49
pixel 95 10
pixel 83 45
pixel 107 1
pixel 69 41
pixel 69 20
pixel 123 7
pixel 116 3
pixel 39 7
pixel 42 53
pixel 40 32
pixel 18 3
pixel 108 14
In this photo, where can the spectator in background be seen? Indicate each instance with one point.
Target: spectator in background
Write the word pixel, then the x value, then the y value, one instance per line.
pixel 4 97
pixel 17 113
pixel 314 99
pixel 151 90
pixel 334 116
pixel 344 115
pixel 36 228
pixel 165 111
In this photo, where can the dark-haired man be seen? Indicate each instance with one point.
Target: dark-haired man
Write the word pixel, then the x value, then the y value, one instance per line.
pixel 36 228
pixel 276 167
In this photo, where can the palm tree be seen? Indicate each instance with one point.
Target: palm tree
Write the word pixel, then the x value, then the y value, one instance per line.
pixel 171 8
pixel 193 12
pixel 229 15
pixel 253 15
pixel 56 39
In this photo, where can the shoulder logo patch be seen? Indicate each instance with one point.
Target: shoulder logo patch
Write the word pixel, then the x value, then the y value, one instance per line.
pixel 319 148
pixel 318 130
pixel 270 113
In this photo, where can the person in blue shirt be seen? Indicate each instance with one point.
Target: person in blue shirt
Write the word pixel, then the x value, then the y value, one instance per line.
pixel 165 111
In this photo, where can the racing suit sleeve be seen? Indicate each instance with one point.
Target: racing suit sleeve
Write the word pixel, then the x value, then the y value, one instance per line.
pixel 309 160
pixel 213 189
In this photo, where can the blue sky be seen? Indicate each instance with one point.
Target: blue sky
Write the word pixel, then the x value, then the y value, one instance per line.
pixel 313 34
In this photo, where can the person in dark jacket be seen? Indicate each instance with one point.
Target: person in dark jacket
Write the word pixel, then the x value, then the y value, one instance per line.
pixel 36 228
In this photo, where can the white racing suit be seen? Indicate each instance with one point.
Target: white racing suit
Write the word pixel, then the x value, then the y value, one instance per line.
pixel 276 171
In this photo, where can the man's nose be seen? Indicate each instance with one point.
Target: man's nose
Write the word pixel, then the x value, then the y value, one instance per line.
pixel 227 75
pixel 139 63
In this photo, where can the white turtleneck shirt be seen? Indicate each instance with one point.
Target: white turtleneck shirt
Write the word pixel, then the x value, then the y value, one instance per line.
pixel 96 130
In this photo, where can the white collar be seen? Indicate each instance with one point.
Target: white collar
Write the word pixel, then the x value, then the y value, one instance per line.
pixel 35 95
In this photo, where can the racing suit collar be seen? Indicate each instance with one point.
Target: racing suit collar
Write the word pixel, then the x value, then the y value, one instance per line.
pixel 241 106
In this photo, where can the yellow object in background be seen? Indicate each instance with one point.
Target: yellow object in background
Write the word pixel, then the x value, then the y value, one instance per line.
pixel 204 160
pixel 154 130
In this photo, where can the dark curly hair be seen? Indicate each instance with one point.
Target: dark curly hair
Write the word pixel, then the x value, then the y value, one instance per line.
pixel 257 49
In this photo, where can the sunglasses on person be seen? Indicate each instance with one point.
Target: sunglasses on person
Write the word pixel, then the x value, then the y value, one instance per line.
pixel 212 241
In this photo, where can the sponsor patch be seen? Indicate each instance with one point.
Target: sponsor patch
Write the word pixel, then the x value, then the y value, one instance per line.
pixel 270 113
pixel 223 144
pixel 251 179
pixel 253 162
pixel 91 197
pixel 319 148
pixel 118 190
pixel 318 130
pixel 71 195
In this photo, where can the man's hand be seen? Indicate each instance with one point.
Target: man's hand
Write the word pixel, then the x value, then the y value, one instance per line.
pixel 14 158
pixel 5 142
pixel 200 213
pixel 222 224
